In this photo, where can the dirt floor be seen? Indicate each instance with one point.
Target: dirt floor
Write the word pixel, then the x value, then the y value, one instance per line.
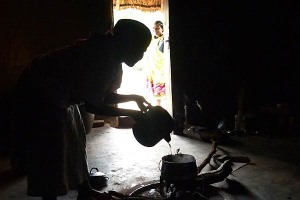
pixel 272 174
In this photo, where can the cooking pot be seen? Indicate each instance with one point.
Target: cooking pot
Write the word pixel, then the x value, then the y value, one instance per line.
pixel 180 170
pixel 153 126
pixel 98 180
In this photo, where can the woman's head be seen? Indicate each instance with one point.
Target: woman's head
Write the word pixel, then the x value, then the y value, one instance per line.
pixel 133 38
pixel 158 28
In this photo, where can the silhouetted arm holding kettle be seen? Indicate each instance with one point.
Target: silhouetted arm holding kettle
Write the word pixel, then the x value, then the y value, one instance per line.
pixel 115 98
pixel 107 109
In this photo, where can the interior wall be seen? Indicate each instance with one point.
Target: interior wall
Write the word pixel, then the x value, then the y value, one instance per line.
pixel 219 47
pixel 32 27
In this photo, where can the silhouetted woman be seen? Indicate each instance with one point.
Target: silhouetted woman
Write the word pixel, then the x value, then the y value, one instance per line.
pixel 49 135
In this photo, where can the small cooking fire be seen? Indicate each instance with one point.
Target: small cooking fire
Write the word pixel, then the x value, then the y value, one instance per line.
pixel 182 179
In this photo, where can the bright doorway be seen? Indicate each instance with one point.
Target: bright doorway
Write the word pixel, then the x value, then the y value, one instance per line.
pixel 134 78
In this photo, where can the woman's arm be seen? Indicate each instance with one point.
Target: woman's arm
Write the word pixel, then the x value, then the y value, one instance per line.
pixel 115 98
pixel 110 110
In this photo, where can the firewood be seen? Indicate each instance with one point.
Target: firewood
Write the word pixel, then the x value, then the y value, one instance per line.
pixel 208 158
pixel 215 176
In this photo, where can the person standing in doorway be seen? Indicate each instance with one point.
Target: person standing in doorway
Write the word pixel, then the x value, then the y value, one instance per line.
pixel 159 36
pixel 155 74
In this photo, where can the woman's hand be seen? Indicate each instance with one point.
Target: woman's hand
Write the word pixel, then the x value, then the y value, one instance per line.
pixel 142 103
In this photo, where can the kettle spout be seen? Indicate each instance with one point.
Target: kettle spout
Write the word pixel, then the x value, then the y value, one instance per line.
pixel 167 138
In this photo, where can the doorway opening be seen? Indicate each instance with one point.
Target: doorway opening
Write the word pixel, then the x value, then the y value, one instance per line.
pixel 134 79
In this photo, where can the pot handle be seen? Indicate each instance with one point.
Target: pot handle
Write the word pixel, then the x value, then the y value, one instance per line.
pixel 94 168
pixel 159 165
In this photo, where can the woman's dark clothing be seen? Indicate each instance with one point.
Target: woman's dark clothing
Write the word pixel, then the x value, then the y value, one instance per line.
pixel 48 131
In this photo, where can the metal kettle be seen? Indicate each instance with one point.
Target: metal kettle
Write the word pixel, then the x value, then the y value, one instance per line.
pixel 153 126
